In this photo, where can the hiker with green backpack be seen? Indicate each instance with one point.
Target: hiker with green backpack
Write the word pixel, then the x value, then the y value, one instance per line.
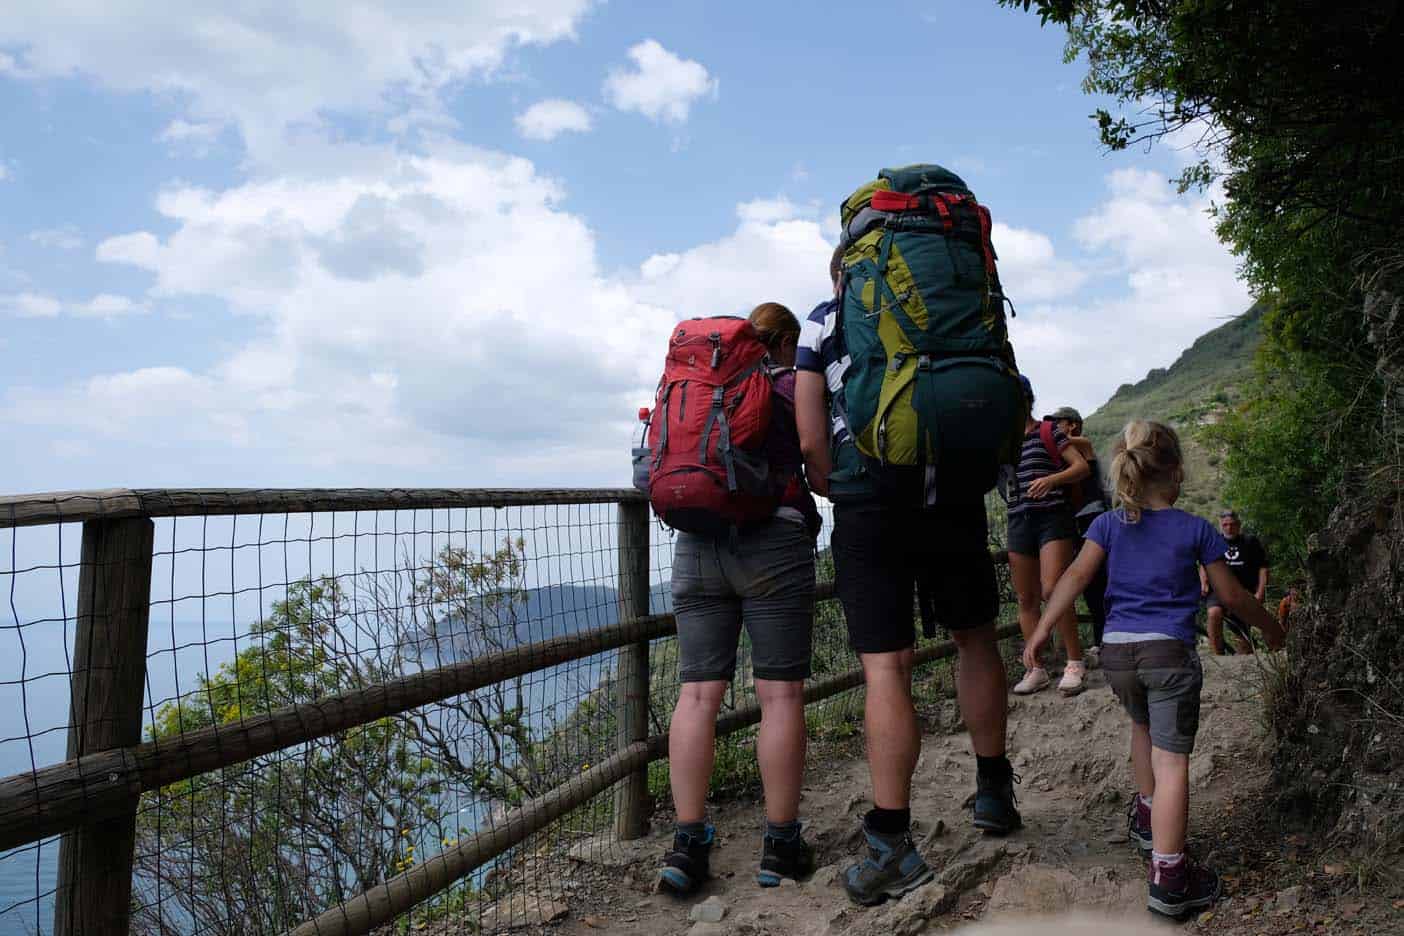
pixel 907 403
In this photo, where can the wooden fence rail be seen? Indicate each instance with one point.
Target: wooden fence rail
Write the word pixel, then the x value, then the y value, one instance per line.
pixel 91 798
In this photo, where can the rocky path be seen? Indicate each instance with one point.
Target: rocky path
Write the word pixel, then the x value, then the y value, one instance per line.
pixel 1071 856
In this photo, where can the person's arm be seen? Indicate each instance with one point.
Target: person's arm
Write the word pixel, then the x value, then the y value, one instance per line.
pixel 812 421
pixel 1261 593
pixel 1203 582
pixel 1072 583
pixel 1243 604
pixel 1077 469
pixel 1083 446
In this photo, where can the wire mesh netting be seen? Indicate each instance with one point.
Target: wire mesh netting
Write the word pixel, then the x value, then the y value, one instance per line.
pixel 256 613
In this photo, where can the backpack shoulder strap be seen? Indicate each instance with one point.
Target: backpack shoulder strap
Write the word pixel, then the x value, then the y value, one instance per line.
pixel 1045 432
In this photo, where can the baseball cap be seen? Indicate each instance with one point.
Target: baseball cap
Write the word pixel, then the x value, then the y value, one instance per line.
pixel 1065 412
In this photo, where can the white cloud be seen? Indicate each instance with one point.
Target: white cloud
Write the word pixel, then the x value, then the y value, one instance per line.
pixel 264 73
pixel 661 86
pixel 432 310
pixel 30 305
pixel 546 120
pixel 109 306
pixel 1166 279
pixel 1029 271
pixel 196 137
pixel 103 305
pixel 59 238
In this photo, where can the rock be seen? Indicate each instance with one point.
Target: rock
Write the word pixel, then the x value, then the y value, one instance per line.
pixel 788 882
pixel 710 910
pixel 706 929
pixel 606 851
pixel 1289 898
pixel 824 877
pixel 522 910
pixel 911 914
pixel 1038 888
pixel 961 876
pixel 595 922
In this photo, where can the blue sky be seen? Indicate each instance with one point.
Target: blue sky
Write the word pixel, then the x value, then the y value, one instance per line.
pixel 313 243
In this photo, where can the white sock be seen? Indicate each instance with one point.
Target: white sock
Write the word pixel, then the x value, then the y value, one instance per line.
pixel 1145 799
pixel 1167 860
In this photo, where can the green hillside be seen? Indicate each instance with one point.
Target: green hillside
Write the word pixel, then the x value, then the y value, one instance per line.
pixel 1189 394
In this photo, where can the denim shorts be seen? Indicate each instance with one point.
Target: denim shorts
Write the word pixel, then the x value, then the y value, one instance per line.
pixel 1158 681
pixel 763 579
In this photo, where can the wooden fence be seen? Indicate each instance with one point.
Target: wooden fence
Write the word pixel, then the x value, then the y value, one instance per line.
pixel 91 798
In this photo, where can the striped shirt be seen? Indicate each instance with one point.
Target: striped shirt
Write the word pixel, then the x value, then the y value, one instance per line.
pixel 821 350
pixel 1034 463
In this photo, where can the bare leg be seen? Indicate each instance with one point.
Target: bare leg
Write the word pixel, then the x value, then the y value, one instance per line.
pixel 1053 560
pixel 1024 572
pixel 981 689
pixel 780 747
pixel 692 746
pixel 1141 760
pixel 1216 630
pixel 894 740
pixel 1170 811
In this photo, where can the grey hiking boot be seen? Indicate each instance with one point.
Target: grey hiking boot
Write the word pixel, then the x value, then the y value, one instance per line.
pixel 892 868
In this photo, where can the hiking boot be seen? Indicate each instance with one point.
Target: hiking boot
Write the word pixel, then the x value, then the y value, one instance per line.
pixel 892 868
pixel 1180 889
pixel 1138 825
pixel 1073 678
pixel 1034 680
pixel 780 858
pixel 687 865
pixel 994 805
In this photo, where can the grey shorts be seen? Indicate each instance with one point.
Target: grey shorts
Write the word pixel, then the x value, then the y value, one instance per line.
pixel 1158 681
pixel 764 580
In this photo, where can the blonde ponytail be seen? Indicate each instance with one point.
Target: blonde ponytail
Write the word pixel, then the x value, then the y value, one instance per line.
pixel 1145 460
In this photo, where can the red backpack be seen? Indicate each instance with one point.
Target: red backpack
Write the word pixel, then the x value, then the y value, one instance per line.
pixel 702 462
pixel 1075 493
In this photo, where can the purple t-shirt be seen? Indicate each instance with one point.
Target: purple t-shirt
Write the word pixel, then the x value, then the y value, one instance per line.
pixel 1152 579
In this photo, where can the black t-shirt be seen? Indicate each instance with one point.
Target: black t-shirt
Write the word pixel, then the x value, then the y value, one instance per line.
pixel 1246 557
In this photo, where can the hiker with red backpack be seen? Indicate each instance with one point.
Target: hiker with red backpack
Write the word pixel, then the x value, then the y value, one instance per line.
pixel 1089 501
pixel 1042 536
pixel 722 465
pixel 907 404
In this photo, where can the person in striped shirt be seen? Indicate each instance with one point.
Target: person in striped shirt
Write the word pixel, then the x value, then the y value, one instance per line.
pixel 1043 538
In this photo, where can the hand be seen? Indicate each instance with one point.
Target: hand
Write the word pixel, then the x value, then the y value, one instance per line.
pixel 1033 650
pixel 1039 488
pixel 1204 589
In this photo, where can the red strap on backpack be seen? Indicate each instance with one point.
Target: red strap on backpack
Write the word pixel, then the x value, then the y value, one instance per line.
pixel 1045 432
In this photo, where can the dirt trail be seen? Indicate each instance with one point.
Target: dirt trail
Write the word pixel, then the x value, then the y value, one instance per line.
pixel 1071 754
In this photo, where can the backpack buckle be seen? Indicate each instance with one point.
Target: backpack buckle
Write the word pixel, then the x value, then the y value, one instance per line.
pixel 925 362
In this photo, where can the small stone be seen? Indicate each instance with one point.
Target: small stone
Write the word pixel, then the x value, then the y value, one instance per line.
pixel 1289 898
pixel 824 877
pixel 595 922
pixel 788 882
pixel 710 910
pixel 706 929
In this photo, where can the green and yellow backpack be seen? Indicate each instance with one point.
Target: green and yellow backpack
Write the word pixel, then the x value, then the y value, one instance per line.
pixel 932 389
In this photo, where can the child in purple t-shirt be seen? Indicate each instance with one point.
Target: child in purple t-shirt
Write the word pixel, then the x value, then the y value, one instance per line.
pixel 1153 552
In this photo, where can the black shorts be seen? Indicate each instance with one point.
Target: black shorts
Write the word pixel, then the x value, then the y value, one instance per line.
pixel 881 550
pixel 1035 527
pixel 1231 622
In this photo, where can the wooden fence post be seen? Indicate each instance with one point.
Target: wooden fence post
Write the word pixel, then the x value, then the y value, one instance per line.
pixel 631 807
pixel 109 669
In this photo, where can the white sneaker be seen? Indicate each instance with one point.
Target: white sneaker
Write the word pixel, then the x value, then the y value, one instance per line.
pixel 1092 656
pixel 1072 681
pixel 1034 680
